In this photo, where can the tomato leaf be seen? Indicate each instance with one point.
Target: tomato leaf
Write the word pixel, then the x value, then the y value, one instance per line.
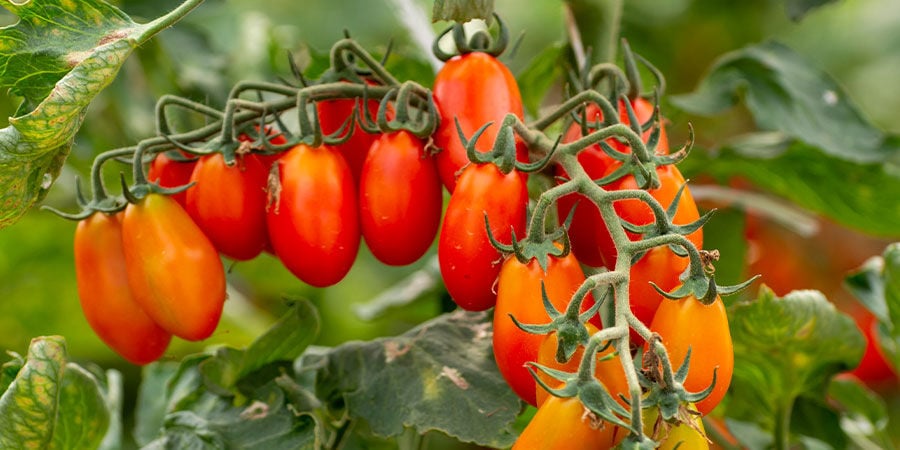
pixel 462 10
pixel 439 376
pixel 864 414
pixel 796 9
pixel 57 57
pixel 786 93
pixel 52 403
pixel 540 74
pixel 833 186
pixel 784 349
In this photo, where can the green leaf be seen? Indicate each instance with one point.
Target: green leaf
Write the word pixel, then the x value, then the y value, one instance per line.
pixel 540 74
pixel 785 348
pixel 439 376
pixel 796 9
pixel 52 403
pixel 864 415
pixel 58 56
pixel 854 194
pixel 462 10
pixel 786 93
pixel 9 370
pixel 812 418
pixel 284 341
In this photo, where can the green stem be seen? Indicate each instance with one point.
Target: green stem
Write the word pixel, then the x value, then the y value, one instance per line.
pixel 599 23
pixel 783 425
pixel 150 29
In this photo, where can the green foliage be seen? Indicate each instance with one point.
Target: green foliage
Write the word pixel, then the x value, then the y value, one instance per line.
pixel 545 69
pixel 796 9
pixel 877 285
pixel 786 350
pixel 864 414
pixel 57 64
pixel 52 403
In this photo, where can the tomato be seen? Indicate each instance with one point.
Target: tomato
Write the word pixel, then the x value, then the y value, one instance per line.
pixel 333 114
pixel 274 138
pixel 313 219
pixel 400 199
pixel 106 299
pixel 565 424
pixel 474 89
pixel 170 173
pixel 681 436
pixel 469 263
pixel 873 369
pixel 174 272
pixel 608 371
pixel 687 323
pixel 519 295
pixel 229 204
pixel 587 232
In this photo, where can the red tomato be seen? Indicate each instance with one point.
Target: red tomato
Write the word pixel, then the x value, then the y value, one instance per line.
pixel 588 243
pixel 170 173
pixel 106 299
pixel 274 140
pixel 333 114
pixel 469 263
pixel 229 204
pixel 400 199
pixel 174 271
pixel 608 371
pixel 519 295
pixel 313 219
pixel 475 89
pixel 565 424
pixel 687 323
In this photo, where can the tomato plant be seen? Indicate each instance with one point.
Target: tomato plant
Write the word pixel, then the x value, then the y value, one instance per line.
pixel 313 217
pixel 469 263
pixel 172 173
pixel 400 199
pixel 106 298
pixel 174 271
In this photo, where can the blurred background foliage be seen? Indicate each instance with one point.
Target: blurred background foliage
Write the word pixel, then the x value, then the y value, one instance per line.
pixel 856 41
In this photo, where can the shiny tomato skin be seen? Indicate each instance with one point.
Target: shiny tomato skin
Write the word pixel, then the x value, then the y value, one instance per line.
pixel 174 271
pixel 400 199
pixel 469 264
pixel 589 238
pixel 313 219
pixel 106 299
pixel 229 204
pixel 563 424
pixel 170 173
pixel 475 89
pixel 333 114
pixel 519 295
pixel 687 323
pixel 608 371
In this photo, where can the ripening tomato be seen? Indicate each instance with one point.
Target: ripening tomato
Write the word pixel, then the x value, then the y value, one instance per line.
pixel 105 296
pixel 565 424
pixel 333 114
pixel 474 89
pixel 681 436
pixel 519 295
pixel 174 271
pixel 229 204
pixel 170 173
pixel 687 323
pixel 313 217
pixel 608 371
pixel 400 199
pixel 274 138
pixel 469 263
pixel 587 232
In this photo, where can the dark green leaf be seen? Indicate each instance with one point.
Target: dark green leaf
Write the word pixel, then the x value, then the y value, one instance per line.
pixel 812 418
pixel 51 403
pixel 785 348
pixel 749 434
pixel 150 412
pixel 864 414
pixel 58 56
pixel 867 285
pixel 796 9
pixel 540 74
pixel 786 93
pixel 462 10
pixel 854 194
pixel 439 376
pixel 9 370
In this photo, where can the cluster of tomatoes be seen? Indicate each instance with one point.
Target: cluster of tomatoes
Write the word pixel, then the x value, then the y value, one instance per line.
pixel 155 266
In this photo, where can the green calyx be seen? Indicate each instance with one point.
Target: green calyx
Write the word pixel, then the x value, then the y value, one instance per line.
pixel 480 41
